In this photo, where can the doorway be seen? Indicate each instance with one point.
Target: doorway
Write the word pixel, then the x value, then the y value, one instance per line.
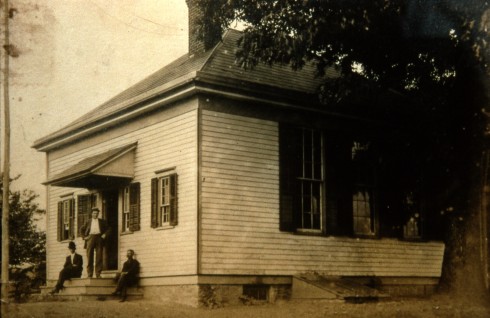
pixel 110 214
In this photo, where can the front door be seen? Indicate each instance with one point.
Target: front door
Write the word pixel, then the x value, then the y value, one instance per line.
pixel 110 213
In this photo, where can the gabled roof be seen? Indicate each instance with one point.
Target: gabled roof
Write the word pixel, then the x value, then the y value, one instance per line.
pixel 217 64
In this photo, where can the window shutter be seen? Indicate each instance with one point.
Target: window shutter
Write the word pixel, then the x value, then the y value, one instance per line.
pixel 173 200
pixel 338 185
pixel 60 220
pixel 71 234
pixel 154 202
pixel 289 162
pixel 134 207
pixel 84 207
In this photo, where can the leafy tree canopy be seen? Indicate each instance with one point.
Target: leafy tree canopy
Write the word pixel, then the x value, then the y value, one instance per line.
pixel 411 46
pixel 27 243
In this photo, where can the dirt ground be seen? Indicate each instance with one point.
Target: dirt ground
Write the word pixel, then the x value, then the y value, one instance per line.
pixel 436 306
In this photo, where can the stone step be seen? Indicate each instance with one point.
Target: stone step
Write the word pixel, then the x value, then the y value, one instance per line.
pixel 81 289
pixel 78 282
pixel 78 290
pixel 82 297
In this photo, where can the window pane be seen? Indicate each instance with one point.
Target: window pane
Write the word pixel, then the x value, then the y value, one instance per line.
pixel 317 156
pixel 307 153
pixel 164 201
pixel 126 199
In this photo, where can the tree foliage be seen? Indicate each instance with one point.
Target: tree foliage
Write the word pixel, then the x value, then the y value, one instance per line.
pixel 27 244
pixel 406 45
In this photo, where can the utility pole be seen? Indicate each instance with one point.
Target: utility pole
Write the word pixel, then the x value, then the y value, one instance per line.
pixel 6 167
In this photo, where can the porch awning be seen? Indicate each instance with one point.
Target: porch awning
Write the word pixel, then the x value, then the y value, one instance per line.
pixel 104 170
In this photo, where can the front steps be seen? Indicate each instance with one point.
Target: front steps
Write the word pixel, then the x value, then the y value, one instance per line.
pixel 315 286
pixel 80 289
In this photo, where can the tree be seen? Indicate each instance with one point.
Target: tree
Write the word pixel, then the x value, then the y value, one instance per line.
pixel 435 53
pixel 27 243
pixel 400 44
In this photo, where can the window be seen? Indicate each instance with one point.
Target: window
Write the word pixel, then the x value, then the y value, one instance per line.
pixel 301 179
pixel 257 292
pixel 131 208
pixel 363 192
pixel 66 224
pixel 311 179
pixel 327 183
pixel 125 209
pixel 164 201
pixel 85 204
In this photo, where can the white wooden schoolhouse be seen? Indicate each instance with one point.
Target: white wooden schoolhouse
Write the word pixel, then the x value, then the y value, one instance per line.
pixel 232 183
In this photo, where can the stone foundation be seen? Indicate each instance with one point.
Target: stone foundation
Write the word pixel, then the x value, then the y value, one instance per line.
pixel 216 291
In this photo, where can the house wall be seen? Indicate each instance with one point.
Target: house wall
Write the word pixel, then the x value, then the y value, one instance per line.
pixel 240 215
pixel 165 139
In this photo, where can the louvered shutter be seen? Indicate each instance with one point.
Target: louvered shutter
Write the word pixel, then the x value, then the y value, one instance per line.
pixel 71 231
pixel 289 163
pixel 84 207
pixel 173 200
pixel 154 202
pixel 338 185
pixel 60 221
pixel 134 207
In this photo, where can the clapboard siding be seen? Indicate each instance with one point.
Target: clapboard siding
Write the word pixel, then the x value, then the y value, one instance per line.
pixel 166 144
pixel 240 215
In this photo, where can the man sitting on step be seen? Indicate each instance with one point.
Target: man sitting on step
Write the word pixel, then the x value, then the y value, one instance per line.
pixel 128 276
pixel 72 269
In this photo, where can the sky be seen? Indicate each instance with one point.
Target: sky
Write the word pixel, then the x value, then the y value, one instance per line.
pixel 73 56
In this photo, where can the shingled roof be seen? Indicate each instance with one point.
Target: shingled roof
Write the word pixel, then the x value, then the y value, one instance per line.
pixel 218 63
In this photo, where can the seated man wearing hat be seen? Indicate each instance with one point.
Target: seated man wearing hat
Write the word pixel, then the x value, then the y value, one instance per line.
pixel 72 269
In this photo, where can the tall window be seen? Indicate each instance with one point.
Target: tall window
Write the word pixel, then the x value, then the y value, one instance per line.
pixel 125 209
pixel 327 183
pixel 66 224
pixel 164 201
pixel 363 190
pixel 131 208
pixel 311 179
pixel 301 179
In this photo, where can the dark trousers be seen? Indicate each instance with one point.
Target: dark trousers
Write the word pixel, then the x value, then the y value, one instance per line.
pixel 66 274
pixel 95 243
pixel 123 282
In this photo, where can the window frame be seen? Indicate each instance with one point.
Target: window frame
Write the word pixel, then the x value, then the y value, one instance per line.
pixel 125 209
pixel 336 185
pixel 130 208
pixel 368 187
pixel 160 219
pixel 66 218
pixel 308 180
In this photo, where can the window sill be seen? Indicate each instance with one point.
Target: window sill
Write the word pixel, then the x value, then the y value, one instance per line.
pixel 309 232
pixel 412 239
pixel 164 227
pixel 126 233
pixel 366 236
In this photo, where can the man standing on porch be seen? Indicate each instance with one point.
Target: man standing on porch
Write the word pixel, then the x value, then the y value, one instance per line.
pixel 94 231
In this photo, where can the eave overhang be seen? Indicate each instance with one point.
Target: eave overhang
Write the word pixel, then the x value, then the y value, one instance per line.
pixel 112 167
pixel 187 86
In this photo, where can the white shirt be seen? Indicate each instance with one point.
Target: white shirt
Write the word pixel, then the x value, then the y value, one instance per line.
pixel 72 257
pixel 94 227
